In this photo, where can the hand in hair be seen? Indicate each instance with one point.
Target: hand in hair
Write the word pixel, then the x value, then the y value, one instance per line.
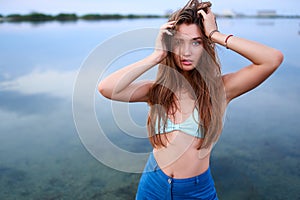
pixel 209 21
pixel 160 47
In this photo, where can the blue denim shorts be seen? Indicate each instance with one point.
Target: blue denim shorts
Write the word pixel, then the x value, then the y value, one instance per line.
pixel 155 184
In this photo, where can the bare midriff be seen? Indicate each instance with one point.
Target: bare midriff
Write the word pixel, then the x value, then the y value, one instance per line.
pixel 181 158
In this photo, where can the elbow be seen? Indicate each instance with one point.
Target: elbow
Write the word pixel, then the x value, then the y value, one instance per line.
pixel 277 58
pixel 104 90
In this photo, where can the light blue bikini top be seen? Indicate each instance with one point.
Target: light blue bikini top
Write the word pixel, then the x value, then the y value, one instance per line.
pixel 189 126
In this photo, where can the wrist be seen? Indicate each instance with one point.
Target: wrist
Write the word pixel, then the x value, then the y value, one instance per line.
pixel 218 38
pixel 221 39
pixel 211 34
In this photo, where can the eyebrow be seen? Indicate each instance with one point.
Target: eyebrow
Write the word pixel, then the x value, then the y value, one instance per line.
pixel 197 38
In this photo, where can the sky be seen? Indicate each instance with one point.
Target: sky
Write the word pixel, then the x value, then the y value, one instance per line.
pixel 80 7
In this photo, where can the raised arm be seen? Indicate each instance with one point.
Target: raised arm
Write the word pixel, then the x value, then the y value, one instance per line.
pixel 120 85
pixel 265 60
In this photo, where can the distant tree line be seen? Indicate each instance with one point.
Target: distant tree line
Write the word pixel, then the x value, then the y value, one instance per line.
pixel 39 17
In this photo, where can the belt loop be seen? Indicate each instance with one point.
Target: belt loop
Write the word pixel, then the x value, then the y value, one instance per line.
pixel 155 168
pixel 197 180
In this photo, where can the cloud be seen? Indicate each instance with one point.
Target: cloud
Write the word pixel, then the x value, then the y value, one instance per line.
pixel 53 83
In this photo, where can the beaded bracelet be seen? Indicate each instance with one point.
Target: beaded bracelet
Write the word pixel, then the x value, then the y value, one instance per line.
pixel 211 33
pixel 226 40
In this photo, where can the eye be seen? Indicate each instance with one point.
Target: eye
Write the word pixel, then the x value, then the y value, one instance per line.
pixel 177 42
pixel 196 43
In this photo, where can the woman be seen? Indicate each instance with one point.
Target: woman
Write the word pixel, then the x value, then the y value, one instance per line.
pixel 187 100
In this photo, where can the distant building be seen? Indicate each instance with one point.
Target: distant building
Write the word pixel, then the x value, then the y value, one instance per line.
pixel 266 13
pixel 228 13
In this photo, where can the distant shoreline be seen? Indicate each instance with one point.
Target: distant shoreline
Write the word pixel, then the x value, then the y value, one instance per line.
pixel 40 17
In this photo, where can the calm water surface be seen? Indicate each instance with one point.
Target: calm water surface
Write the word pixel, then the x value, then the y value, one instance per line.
pixel 42 157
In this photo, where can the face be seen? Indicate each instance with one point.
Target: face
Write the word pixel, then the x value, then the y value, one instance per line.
pixel 187 46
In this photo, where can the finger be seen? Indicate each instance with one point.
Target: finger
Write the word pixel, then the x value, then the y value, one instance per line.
pixel 168 32
pixel 168 25
pixel 208 10
pixel 210 13
pixel 172 22
pixel 201 12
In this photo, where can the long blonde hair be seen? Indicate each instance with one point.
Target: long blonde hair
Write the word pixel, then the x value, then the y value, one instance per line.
pixel 205 84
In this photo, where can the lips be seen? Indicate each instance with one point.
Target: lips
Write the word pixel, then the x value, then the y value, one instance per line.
pixel 186 62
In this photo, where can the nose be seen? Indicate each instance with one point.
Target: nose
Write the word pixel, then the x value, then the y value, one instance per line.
pixel 186 50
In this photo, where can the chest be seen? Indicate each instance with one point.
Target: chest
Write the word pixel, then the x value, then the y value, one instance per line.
pixel 185 107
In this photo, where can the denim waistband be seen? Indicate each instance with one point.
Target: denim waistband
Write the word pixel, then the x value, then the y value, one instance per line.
pixel 153 166
pixel 155 184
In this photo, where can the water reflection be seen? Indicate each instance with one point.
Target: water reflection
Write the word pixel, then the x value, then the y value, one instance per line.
pixel 52 83
pixel 27 104
pixel 266 23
